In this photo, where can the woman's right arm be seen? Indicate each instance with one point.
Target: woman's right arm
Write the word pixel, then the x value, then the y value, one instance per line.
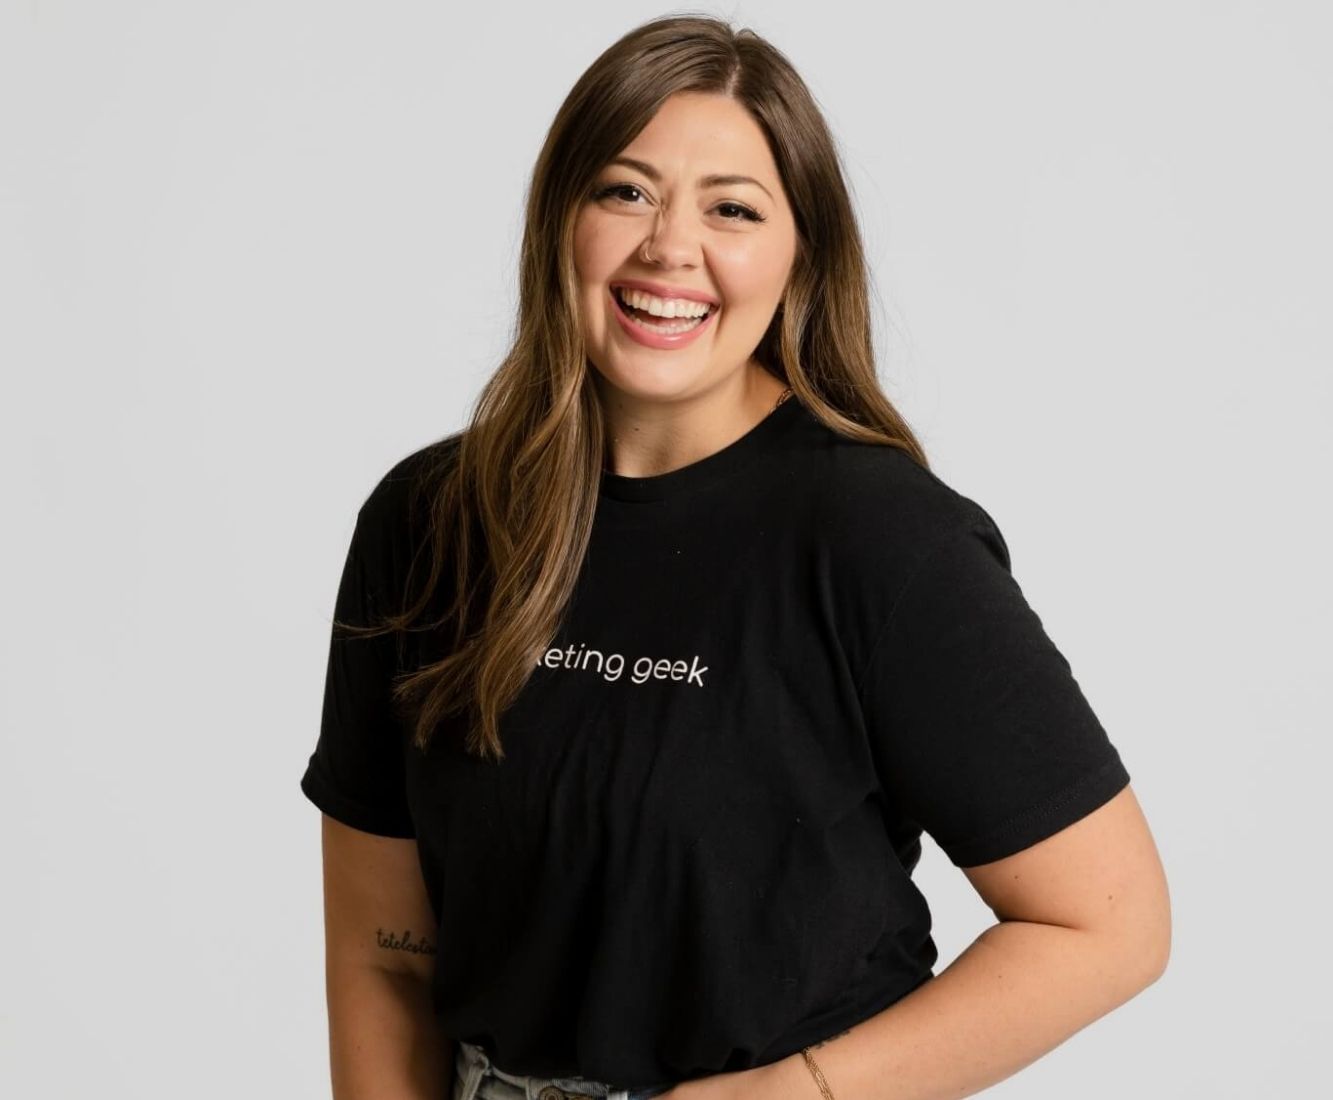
pixel 383 1039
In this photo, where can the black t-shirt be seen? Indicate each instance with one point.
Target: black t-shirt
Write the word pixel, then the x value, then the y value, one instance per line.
pixel 780 665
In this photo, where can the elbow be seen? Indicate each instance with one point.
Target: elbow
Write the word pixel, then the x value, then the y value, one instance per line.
pixel 1144 952
pixel 1137 951
pixel 1147 963
pixel 1145 937
pixel 1158 948
pixel 1130 962
pixel 1160 952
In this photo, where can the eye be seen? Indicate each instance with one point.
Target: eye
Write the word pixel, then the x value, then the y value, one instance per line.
pixel 618 189
pixel 746 213
pixel 614 189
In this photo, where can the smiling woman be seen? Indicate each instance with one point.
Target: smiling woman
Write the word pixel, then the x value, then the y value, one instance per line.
pixel 698 193
pixel 650 681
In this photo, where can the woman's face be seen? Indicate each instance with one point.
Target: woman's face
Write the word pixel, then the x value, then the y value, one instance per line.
pixel 699 235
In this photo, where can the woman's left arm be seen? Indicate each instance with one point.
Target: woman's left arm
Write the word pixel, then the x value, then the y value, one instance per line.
pixel 1084 925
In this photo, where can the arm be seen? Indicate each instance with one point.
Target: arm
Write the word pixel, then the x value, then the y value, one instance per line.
pixel 383 1039
pixel 1084 925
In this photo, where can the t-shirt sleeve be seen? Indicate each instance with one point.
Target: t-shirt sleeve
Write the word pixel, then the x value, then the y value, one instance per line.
pixel 356 773
pixel 980 733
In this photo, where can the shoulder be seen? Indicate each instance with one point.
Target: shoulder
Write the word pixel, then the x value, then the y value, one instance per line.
pixel 881 506
pixel 394 520
pixel 398 500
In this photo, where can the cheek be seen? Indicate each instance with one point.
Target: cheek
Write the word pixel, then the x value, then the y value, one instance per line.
pixel 591 262
pixel 597 250
pixel 749 277
pixel 582 245
pixel 595 313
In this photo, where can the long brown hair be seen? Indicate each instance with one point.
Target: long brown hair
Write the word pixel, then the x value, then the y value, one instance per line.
pixel 514 494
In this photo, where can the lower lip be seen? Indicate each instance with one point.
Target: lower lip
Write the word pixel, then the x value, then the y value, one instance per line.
pixel 648 338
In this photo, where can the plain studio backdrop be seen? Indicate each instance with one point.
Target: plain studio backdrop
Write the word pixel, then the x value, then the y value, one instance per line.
pixel 253 253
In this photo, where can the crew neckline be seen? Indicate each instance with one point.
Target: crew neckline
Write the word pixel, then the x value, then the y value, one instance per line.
pixel 707 470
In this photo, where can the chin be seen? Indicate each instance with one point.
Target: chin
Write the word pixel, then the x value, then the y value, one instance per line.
pixel 653 384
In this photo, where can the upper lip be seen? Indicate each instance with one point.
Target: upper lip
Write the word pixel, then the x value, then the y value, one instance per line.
pixel 661 290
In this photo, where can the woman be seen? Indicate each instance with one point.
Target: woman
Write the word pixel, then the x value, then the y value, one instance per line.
pixel 668 659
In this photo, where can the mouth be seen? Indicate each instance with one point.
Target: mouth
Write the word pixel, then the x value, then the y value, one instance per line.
pixel 662 326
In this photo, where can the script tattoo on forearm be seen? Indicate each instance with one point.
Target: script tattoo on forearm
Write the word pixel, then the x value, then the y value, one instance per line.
pixel 391 942
pixel 816 1046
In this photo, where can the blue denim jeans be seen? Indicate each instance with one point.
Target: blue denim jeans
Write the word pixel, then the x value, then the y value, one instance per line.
pixel 476 1077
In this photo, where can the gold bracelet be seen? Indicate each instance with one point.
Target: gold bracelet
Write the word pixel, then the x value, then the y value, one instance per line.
pixel 819 1077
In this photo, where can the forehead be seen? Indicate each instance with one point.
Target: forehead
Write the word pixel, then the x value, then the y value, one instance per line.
pixel 696 134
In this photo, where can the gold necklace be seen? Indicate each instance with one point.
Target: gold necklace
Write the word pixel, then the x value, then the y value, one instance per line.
pixel 783 396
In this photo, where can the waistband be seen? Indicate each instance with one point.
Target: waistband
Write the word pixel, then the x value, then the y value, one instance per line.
pixel 473 1067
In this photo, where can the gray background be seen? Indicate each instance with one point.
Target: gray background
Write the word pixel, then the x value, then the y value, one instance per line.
pixel 253 253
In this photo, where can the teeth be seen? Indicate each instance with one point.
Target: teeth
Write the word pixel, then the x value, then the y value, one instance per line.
pixel 662 307
pixel 667 328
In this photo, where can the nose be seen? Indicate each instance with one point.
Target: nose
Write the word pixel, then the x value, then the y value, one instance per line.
pixel 674 240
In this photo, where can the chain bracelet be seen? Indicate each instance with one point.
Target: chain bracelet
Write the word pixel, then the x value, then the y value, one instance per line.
pixel 818 1075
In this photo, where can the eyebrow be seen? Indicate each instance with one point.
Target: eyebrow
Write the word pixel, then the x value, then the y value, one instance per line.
pixel 704 181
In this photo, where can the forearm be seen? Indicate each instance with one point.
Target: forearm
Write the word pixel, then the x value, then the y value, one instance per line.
pixel 383 1039
pixel 1019 990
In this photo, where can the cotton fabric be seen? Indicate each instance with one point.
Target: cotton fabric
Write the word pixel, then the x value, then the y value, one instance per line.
pixel 782 665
